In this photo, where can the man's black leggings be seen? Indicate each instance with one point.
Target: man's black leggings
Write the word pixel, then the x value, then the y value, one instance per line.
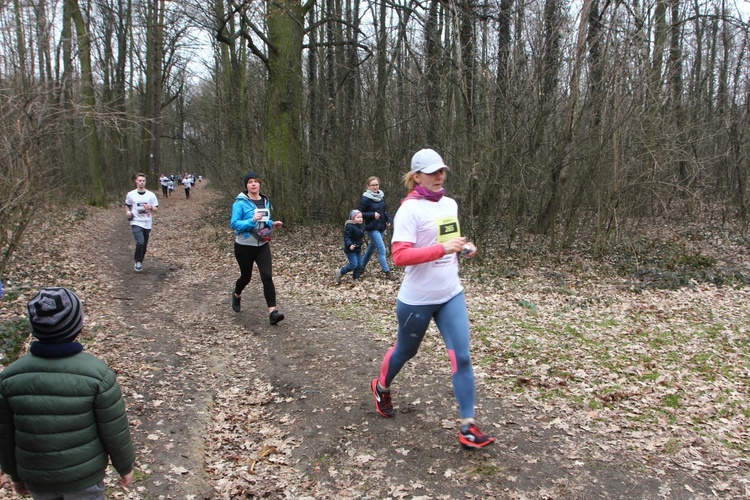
pixel 246 255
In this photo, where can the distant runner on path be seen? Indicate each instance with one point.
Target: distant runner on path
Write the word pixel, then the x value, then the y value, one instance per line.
pixel 164 181
pixel 140 203
pixel 187 185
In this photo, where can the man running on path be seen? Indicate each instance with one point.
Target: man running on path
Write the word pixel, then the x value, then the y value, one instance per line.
pixel 140 203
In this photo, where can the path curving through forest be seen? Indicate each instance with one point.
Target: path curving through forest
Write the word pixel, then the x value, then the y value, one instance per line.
pixel 224 405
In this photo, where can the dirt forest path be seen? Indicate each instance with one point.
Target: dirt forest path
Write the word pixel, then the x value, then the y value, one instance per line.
pixel 223 405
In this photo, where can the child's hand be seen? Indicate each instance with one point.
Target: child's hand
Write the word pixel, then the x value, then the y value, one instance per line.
pixel 126 479
pixel 20 488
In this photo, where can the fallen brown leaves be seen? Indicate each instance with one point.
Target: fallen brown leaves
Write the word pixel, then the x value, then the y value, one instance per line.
pixel 660 376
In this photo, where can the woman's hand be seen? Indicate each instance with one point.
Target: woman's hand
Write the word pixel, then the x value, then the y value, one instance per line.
pixel 257 216
pixel 277 223
pixel 454 245
pixel 469 250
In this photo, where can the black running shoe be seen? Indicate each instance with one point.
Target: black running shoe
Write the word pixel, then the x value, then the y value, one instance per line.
pixel 275 316
pixel 236 303
pixel 471 437
pixel 383 403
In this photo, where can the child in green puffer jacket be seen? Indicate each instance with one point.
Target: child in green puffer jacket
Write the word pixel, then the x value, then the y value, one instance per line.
pixel 62 415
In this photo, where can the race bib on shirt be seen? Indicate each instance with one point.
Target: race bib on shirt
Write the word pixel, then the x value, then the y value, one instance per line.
pixel 141 210
pixel 265 213
pixel 447 229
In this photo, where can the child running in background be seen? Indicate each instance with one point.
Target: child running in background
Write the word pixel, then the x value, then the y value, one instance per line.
pixel 354 235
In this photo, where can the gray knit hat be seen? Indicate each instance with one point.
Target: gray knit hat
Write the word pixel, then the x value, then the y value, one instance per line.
pixel 55 315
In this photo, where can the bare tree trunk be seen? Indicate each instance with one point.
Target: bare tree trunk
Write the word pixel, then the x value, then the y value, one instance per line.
pixel 675 96
pixel 21 48
pixel 654 90
pixel 232 88
pixel 380 134
pixel 503 59
pixel 432 72
pixel 96 186
pixel 468 53
pixel 285 23
pixel 351 76
pixel 43 43
pixel 315 101
pixel 550 65
pixel 330 79
pixel 156 39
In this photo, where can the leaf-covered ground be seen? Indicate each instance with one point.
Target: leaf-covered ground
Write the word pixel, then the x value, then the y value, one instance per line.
pixel 594 384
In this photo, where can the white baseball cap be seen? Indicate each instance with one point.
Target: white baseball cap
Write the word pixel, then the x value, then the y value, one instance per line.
pixel 427 161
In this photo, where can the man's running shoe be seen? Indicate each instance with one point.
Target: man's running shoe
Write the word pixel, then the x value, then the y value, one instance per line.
pixel 236 303
pixel 138 267
pixel 471 437
pixel 337 276
pixel 383 403
pixel 275 316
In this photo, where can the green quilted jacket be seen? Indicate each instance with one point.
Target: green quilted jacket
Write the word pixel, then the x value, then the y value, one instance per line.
pixel 60 420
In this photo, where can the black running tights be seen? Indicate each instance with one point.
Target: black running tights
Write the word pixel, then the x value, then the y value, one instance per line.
pixel 261 256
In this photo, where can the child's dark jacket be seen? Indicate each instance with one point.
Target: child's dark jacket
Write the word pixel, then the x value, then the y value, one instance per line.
pixel 354 234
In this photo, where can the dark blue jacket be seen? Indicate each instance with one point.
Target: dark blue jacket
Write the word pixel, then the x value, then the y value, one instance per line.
pixel 368 208
pixel 354 234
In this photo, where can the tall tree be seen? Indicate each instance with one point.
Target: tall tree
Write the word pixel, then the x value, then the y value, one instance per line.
pixel 432 71
pixel 285 34
pixel 380 130
pixel 154 74
pixel 23 72
pixel 549 68
pixel 88 96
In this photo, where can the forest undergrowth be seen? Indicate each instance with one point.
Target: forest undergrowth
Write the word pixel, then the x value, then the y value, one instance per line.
pixel 644 354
